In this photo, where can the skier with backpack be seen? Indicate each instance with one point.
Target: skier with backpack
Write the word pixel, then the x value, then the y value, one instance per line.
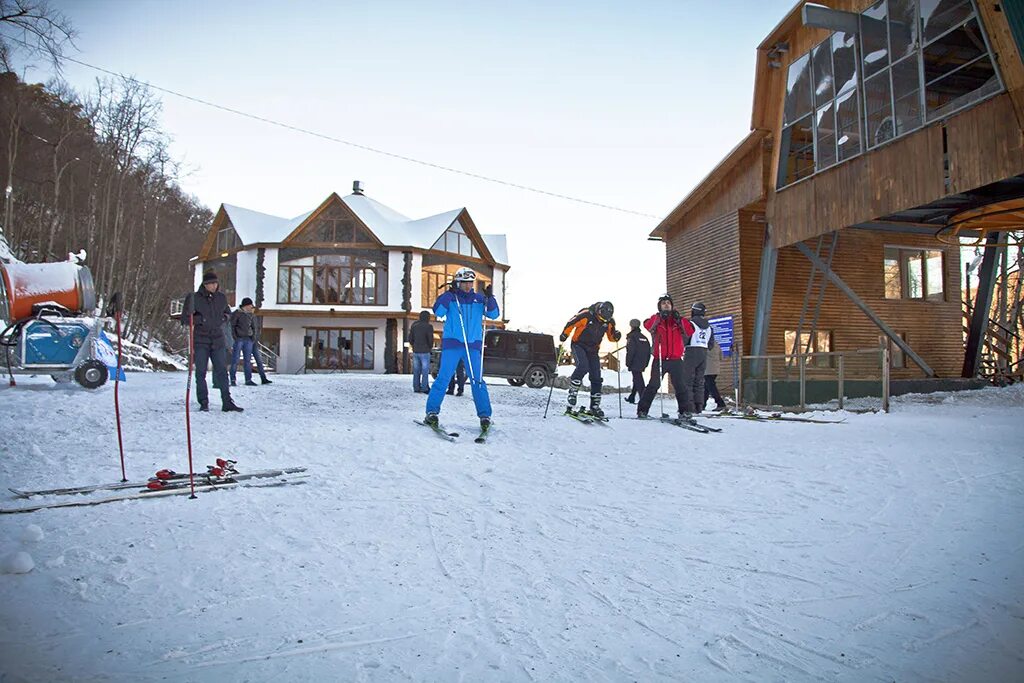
pixel 587 328
pixel 463 311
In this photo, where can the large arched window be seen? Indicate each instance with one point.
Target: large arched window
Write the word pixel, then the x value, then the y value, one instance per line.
pixel 335 225
pixel 436 278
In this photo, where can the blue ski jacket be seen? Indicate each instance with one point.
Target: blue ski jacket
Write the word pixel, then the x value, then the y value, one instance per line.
pixel 464 311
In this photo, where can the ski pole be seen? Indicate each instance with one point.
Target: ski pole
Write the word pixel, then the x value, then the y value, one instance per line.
pixel 465 341
pixel 115 310
pixel 188 390
pixel 618 371
pixel 558 360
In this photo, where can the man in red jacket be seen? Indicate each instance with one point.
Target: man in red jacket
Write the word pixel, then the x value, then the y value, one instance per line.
pixel 666 327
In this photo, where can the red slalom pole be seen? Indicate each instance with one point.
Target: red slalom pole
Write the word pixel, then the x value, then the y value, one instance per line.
pixel 188 397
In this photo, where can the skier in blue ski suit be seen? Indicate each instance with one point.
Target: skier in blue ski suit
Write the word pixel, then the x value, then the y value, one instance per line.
pixel 463 311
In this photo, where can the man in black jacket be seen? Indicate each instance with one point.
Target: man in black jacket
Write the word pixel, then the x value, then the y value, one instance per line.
pixel 638 355
pixel 243 329
pixel 208 309
pixel 421 338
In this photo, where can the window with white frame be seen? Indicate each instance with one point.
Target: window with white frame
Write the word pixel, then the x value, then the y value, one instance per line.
pixel 456 241
pixel 914 273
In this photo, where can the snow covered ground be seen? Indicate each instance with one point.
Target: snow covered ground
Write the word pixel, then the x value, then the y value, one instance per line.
pixel 886 548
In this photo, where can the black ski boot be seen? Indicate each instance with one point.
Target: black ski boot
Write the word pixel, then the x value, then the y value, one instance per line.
pixel 231 408
pixel 431 420
pixel 687 418
pixel 595 406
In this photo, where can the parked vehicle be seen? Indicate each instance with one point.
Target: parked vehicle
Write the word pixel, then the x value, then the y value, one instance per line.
pixel 520 357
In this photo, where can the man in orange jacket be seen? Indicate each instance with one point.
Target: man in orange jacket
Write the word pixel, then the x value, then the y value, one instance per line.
pixel 587 328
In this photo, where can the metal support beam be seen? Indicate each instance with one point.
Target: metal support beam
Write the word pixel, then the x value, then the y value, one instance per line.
pixel 859 303
pixel 820 16
pixel 765 289
pixel 909 228
pixel 982 305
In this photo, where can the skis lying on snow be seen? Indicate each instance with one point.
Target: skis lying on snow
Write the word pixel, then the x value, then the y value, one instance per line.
pixel 176 489
pixel 224 469
pixel 776 417
pixel 439 430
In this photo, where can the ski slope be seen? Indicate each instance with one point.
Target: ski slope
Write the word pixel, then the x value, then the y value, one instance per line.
pixel 886 548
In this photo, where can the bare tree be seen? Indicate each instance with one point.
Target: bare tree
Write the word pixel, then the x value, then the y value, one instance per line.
pixel 34 29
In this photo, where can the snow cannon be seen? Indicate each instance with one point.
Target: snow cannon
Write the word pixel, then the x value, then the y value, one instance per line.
pixel 45 331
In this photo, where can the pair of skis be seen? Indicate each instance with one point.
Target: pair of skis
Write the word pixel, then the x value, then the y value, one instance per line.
pixel 775 417
pixel 442 432
pixel 585 417
pixel 170 485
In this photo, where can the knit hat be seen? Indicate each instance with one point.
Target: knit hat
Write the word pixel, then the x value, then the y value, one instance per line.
pixel 634 323
pixel 246 302
pixel 209 276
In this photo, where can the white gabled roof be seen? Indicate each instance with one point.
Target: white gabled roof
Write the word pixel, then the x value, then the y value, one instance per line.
pixel 254 227
pixel 391 228
pixel 498 246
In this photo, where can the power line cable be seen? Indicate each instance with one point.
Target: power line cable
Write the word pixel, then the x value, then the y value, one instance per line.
pixel 349 143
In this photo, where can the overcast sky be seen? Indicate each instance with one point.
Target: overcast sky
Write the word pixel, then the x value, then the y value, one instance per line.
pixel 627 104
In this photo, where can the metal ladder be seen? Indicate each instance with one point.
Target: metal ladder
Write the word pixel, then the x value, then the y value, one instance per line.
pixel 816 285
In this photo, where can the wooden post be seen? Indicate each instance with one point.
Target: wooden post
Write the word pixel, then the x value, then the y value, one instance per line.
pixel 842 365
pixel 803 381
pixel 885 376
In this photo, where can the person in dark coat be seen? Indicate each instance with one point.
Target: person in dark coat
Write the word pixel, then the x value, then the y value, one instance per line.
pixel 257 356
pixel 243 329
pixel 458 378
pixel 638 355
pixel 711 371
pixel 208 308
pixel 421 338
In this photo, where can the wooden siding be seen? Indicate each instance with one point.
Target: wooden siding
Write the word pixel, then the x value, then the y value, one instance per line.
pixel 742 185
pixel 994 16
pixel 933 329
pixel 703 264
pixel 985 145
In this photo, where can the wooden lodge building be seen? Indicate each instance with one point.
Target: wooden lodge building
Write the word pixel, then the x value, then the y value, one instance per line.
pixel 337 287
pixel 882 132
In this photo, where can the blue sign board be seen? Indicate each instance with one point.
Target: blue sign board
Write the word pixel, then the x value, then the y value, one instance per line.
pixel 722 326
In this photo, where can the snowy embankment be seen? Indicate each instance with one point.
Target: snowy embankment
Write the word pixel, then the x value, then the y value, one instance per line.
pixel 885 548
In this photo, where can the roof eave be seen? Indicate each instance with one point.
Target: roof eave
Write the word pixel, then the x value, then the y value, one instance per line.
pixel 698 193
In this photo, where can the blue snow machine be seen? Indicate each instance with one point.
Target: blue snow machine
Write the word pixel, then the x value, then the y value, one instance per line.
pixel 45 331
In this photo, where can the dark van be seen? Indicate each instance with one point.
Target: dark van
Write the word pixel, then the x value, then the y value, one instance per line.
pixel 520 357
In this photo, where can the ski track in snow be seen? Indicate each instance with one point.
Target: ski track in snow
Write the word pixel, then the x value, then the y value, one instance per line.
pixel 886 548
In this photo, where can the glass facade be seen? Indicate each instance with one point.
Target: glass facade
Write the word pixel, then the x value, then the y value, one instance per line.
pixel 913 62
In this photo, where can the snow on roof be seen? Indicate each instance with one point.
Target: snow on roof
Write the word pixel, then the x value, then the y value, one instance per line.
pixel 391 228
pixel 498 246
pixel 254 227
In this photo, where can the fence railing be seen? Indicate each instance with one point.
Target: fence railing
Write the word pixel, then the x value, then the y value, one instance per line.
pixel 801 379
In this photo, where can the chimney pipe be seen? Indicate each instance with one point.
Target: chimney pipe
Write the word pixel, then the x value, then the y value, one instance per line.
pixel 357 187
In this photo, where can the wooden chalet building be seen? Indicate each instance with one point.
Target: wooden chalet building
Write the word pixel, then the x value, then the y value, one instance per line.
pixel 337 287
pixel 882 132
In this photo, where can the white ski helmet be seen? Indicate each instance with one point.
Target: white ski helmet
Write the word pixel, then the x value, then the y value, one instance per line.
pixel 464 275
